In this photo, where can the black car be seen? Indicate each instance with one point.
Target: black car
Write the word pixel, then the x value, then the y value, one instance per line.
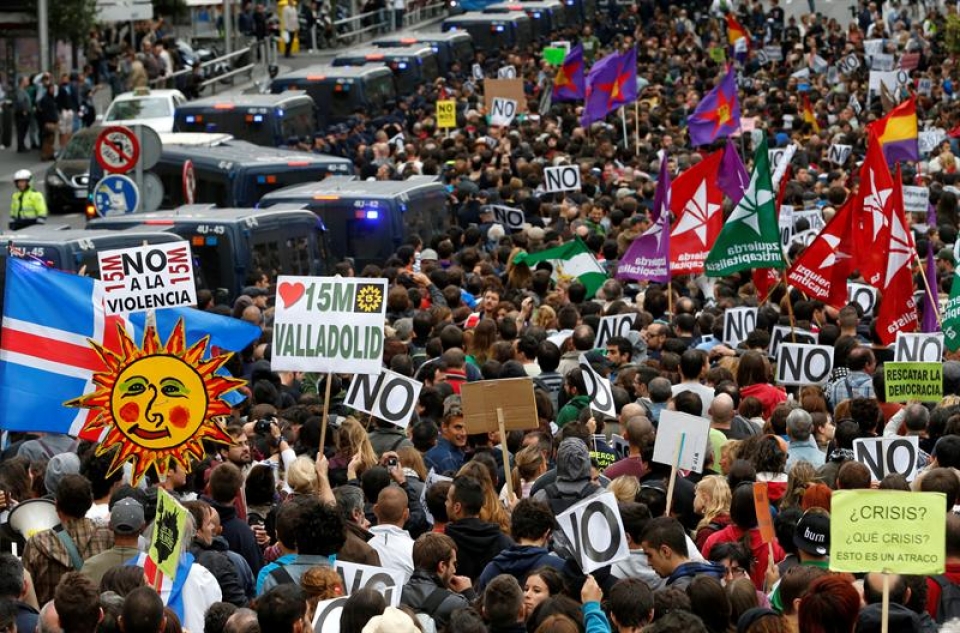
pixel 68 177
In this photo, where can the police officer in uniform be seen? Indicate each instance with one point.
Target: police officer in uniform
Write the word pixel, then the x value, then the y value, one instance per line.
pixel 28 206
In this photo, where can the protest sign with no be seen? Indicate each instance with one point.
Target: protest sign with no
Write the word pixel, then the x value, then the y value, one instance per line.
pixel 918 348
pixel 799 364
pixel 888 456
pixel 595 531
pixel 888 531
pixel 326 617
pixel 387 582
pixel 508 216
pixel 614 325
pixel 864 295
pixel 783 334
pixel 388 396
pixel 922 382
pixel 737 324
pixel 561 178
pixel 329 324
pixel 838 154
pixel 684 433
pixel 598 389
pixel 147 277
pixel 503 112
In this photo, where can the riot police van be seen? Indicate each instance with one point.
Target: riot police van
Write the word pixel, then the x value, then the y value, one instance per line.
pixel 493 31
pixel 547 16
pixel 268 120
pixel 339 92
pixel 228 244
pixel 455 47
pixel 368 220
pixel 412 67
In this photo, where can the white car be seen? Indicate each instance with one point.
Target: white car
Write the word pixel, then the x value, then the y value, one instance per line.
pixel 153 108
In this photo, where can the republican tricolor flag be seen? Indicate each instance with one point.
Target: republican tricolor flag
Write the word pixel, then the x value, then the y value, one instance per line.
pixel 897 132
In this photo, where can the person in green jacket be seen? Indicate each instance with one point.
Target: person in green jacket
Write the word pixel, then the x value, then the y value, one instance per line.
pixel 28 206
pixel 576 389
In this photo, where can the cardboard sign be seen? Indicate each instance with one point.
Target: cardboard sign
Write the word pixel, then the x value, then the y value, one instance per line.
pixel 888 531
pixel 147 277
pixel 595 530
pixel 838 154
pixel 782 334
pixel 928 140
pixel 737 324
pixel 387 582
pixel 329 324
pixel 888 456
pixel 849 64
pixel 507 72
pixel 169 533
pixel 872 48
pixel 508 216
pixel 388 396
pixel 883 62
pixel 761 502
pixel 326 619
pixel 615 325
pixel 446 114
pixel 513 396
pixel 562 178
pixel 864 295
pixel 892 79
pixel 689 433
pixel 918 348
pixel 921 382
pixel 915 199
pixel 506 88
pixel 774 53
pixel 503 112
pixel 598 389
pixel 799 364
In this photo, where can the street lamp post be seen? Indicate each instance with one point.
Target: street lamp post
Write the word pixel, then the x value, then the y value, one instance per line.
pixel 43 23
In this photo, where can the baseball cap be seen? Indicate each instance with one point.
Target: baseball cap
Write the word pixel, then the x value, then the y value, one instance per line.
pixel 813 533
pixel 126 516
pixel 428 254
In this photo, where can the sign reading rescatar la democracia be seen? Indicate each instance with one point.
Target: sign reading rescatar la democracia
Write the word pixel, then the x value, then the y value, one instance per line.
pixel 329 324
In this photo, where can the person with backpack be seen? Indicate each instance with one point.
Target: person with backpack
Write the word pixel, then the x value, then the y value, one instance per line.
pixel 573 477
pixel 311 533
pixel 435 590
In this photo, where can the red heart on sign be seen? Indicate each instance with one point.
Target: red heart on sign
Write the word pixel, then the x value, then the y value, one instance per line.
pixel 290 293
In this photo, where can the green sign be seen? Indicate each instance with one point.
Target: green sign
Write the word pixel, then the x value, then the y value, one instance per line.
pixel 888 531
pixel 553 55
pixel 169 533
pixel 920 382
pixel 718 54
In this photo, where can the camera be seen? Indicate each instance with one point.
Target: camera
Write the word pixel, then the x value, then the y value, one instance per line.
pixel 391 463
pixel 262 426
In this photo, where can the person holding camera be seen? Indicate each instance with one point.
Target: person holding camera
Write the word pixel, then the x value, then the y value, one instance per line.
pixel 393 544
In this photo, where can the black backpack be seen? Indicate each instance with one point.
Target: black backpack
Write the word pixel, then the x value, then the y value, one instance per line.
pixel 948 607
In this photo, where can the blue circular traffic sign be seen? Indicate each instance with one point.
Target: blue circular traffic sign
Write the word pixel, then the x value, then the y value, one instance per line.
pixel 115 195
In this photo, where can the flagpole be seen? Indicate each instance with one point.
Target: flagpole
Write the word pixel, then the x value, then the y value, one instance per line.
pixel 793 323
pixel 926 286
pixel 636 114
pixel 623 120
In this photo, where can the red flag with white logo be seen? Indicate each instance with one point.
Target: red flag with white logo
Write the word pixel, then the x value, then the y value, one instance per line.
pixel 898 309
pixel 872 216
pixel 822 268
pixel 696 202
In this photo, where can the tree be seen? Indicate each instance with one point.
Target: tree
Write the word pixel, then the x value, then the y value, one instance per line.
pixel 173 9
pixel 69 20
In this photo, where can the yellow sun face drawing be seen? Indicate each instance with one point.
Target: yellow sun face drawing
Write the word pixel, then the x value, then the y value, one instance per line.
pixel 157 402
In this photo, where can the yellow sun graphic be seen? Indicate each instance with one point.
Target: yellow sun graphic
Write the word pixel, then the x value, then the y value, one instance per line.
pixel 369 298
pixel 157 402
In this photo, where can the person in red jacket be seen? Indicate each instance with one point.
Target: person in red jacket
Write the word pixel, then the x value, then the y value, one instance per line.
pixel 744 529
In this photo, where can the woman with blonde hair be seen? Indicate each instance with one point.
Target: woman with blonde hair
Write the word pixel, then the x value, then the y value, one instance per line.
pixel 319 584
pixel 801 475
pixel 546 318
pixel 712 501
pixel 624 488
pixel 528 465
pixel 492 510
pixel 352 441
pixel 302 476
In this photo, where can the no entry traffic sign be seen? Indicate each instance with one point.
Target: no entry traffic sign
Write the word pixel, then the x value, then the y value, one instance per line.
pixel 117 149
pixel 189 182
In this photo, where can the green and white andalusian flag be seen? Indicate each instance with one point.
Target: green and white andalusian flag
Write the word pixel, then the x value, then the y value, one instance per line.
pixel 951 317
pixel 750 237
pixel 570 260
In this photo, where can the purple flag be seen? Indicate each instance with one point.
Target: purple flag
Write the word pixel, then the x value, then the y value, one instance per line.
pixel 611 83
pixel 569 83
pixel 732 177
pixel 929 322
pixel 718 113
pixel 931 215
pixel 649 255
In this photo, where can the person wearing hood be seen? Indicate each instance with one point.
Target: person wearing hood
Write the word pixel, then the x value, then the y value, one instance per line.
pixel 477 541
pixel 743 512
pixel 664 542
pixel 573 482
pixel 530 526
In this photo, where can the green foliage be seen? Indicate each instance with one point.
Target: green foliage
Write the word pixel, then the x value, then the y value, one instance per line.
pixel 70 20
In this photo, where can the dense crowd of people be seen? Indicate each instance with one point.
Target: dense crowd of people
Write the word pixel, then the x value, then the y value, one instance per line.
pixel 272 514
